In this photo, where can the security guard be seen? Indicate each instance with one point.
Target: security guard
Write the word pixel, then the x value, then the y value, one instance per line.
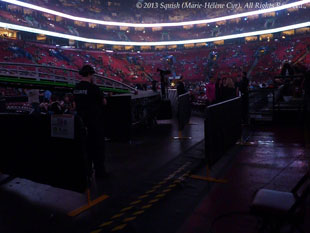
pixel 89 103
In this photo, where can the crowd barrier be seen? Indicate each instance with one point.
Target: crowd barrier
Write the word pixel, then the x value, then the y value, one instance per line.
pixel 36 147
pixel 30 151
pixel 145 109
pixel 184 110
pixel 222 128
pixel 117 118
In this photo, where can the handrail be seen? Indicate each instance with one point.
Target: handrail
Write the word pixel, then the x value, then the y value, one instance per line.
pixel 71 74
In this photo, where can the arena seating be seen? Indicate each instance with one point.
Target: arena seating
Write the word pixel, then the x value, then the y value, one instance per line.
pixel 263 60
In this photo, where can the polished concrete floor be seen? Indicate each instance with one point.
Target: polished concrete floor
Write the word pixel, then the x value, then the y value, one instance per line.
pixel 276 160
pixel 150 189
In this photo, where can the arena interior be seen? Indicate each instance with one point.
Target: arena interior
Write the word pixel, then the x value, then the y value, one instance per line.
pixel 154 116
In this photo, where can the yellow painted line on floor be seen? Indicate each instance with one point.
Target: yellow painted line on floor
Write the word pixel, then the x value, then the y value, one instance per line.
pixel 157 186
pixel 154 200
pixel 127 208
pixel 150 191
pixel 106 224
pixel 160 195
pixel 138 212
pixel 96 231
pixel 120 227
pixel 161 182
pixel 117 215
pixel 166 190
pixel 172 185
pixel 135 202
pixel 146 206
pixel 143 196
pixel 129 219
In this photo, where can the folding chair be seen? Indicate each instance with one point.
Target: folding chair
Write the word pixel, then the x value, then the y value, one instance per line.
pixel 278 209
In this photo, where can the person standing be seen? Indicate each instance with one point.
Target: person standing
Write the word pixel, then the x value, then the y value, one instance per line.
pixel 89 102
pixel 219 90
pixel 306 87
pixel 180 87
pixel 163 82
pixel 244 90
pixel 211 91
pixel 229 90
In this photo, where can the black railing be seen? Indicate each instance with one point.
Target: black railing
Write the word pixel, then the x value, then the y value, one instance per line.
pixel 222 128
pixel 184 110
pixel 55 74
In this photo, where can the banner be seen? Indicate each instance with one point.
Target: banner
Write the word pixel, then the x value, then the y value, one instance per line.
pixel 62 126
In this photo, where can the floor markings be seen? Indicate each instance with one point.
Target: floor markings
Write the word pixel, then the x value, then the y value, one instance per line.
pixel 150 191
pixel 105 224
pixel 138 212
pixel 160 195
pixel 117 215
pixel 144 202
pixel 129 219
pixel 135 202
pixel 166 190
pixel 146 206
pixel 97 231
pixel 120 227
pixel 154 200
pixel 127 208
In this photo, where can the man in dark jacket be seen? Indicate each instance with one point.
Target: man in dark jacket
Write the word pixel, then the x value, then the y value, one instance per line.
pixel 180 87
pixel 89 103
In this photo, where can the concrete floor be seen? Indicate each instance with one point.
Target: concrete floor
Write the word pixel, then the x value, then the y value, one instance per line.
pixel 131 167
pixel 276 161
pixel 150 190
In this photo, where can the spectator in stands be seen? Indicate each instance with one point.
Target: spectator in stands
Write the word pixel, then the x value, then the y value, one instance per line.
pixel 89 102
pixel 67 105
pixel 47 96
pixel 44 108
pixel 139 87
pixel 55 106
